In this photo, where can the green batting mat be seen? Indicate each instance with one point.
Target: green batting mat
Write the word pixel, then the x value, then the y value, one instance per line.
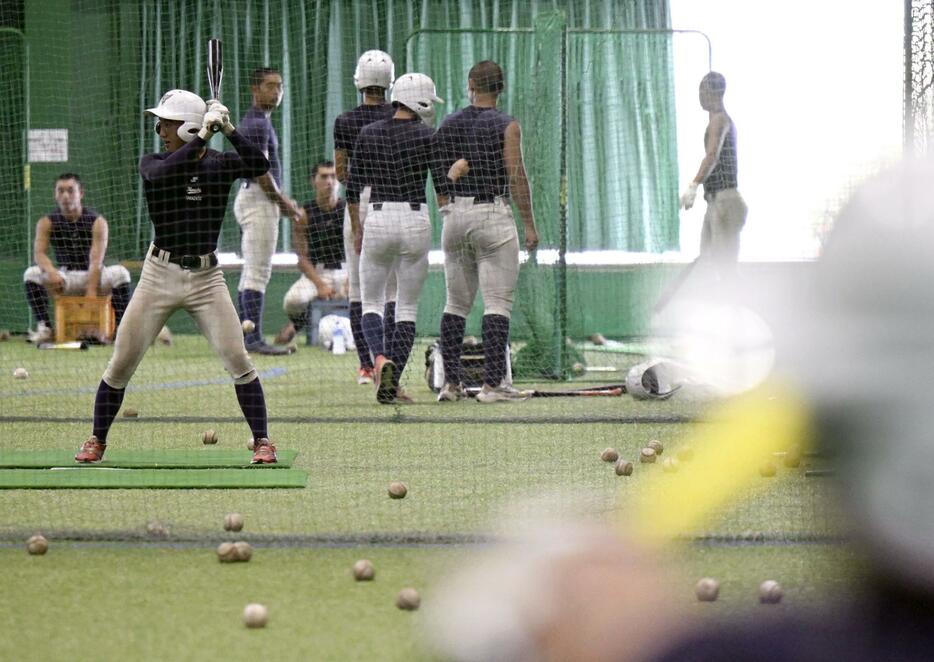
pixel 117 458
pixel 110 478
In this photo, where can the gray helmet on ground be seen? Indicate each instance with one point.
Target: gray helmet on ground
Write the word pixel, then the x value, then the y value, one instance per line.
pixel 184 106
pixel 417 93
pixel 374 69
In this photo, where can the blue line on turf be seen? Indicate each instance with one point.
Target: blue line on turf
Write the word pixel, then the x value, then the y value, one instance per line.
pixel 265 374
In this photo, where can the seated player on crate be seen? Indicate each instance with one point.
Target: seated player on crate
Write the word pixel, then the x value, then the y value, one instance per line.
pixel 78 236
pixel 318 239
pixel 186 188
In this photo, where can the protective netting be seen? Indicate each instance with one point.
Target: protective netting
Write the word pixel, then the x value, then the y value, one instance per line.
pixel 592 85
pixel 919 75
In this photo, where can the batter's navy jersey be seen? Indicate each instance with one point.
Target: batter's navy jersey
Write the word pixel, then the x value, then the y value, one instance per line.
pixel 393 157
pixel 187 196
pixel 348 125
pixel 71 240
pixel 724 173
pixel 478 135
pixel 257 128
pixel 325 234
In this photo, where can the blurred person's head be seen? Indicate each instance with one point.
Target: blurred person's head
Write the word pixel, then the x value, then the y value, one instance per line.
pixel 861 347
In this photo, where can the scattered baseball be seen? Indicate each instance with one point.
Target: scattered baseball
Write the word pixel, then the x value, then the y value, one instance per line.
pixel 250 443
pixel 129 412
pixel 255 615
pixel 793 457
pixel 233 522
pixel 623 468
pixel 707 589
pixel 4 335
pixel 244 550
pixel 209 437
pixel 398 490
pixel 647 456
pixel 770 592
pixel 20 373
pixel 609 455
pixel 408 599
pixel 157 530
pixel 669 465
pixel 767 469
pixel 578 368
pixel 37 545
pixel 686 453
pixel 227 552
pixel 248 326
pixel 656 446
pixel 363 571
pixel 598 339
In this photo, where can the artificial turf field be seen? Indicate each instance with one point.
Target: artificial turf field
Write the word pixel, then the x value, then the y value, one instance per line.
pixel 106 590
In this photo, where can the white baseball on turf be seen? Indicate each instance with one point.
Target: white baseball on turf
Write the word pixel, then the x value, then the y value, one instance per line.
pixel 244 550
pixel 20 373
pixel 251 443
pixel 209 437
pixel 770 592
pixel 227 552
pixel 398 490
pixel 609 455
pixel 37 545
pixel 255 615
pixel 248 326
pixel 233 522
pixel 363 570
pixel 707 589
pixel 408 599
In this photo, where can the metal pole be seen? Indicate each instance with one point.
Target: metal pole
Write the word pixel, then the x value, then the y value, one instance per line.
pixel 562 275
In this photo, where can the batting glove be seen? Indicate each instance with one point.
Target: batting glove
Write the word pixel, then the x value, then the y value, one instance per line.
pixel 217 107
pixel 211 119
pixel 687 198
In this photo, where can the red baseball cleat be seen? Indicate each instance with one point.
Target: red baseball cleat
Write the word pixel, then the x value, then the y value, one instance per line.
pixel 264 452
pixel 92 451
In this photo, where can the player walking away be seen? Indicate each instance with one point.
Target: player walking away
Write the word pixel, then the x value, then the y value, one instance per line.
pixel 78 235
pixel 726 210
pixel 187 188
pixel 318 238
pixel 479 237
pixel 373 77
pixel 257 208
pixel 393 157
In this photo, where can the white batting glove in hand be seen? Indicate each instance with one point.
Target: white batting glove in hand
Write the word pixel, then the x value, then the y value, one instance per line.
pixel 687 198
pixel 215 106
pixel 211 119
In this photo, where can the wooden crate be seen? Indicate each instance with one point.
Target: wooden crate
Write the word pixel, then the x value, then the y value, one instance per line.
pixel 77 317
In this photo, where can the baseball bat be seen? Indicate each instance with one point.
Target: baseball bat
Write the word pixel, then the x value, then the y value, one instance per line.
pixel 580 393
pixel 215 71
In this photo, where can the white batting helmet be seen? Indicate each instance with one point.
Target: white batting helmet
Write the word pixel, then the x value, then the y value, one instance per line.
pixel 181 105
pixel 374 69
pixel 417 93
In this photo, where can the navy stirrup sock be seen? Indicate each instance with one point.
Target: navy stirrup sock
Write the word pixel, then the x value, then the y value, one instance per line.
pixel 495 343
pixel 452 342
pixel 356 328
pixel 251 308
pixel 373 331
pixel 106 405
pixel 253 405
pixel 401 347
pixel 38 300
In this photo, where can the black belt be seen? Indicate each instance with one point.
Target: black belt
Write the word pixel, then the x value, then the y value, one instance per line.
pixel 415 206
pixel 190 262
pixel 328 265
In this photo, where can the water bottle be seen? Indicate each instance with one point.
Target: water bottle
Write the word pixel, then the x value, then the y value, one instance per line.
pixel 339 345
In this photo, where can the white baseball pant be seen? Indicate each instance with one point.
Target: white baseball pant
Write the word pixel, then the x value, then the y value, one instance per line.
pixel 258 218
pixel 353 260
pixel 303 291
pixel 481 249
pixel 76 282
pixel 164 288
pixel 723 222
pixel 396 239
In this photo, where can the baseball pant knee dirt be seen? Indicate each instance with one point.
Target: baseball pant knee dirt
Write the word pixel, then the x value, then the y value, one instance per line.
pixel 164 288
pixel 481 250
pixel 258 218
pixel 723 222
